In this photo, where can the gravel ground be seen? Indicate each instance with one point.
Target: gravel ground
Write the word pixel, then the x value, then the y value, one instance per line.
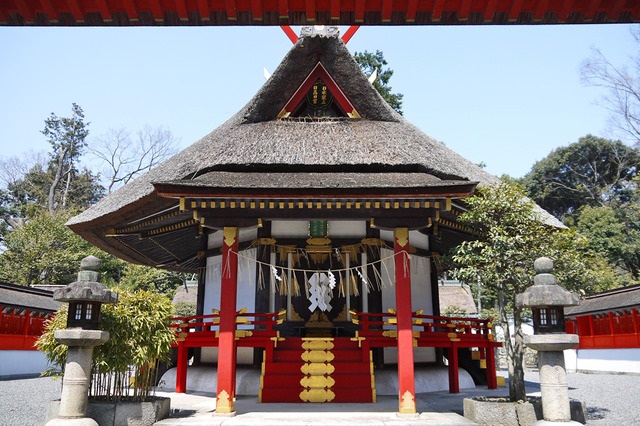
pixel 23 402
pixel 611 400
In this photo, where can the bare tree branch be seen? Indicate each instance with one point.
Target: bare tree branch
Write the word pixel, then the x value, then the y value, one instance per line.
pixel 623 87
pixel 13 169
pixel 125 158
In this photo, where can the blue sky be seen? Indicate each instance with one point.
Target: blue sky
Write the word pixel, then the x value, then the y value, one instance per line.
pixel 502 95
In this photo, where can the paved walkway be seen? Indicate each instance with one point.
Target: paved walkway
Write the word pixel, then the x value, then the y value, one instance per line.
pixel 435 408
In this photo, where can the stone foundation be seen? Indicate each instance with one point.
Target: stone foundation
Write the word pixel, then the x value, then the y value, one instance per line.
pixel 122 413
pixel 500 411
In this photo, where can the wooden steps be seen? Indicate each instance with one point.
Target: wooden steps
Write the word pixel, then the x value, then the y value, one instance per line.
pixel 318 369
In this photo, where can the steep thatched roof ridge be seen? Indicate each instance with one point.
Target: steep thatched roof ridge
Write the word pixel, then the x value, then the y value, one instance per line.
pixel 296 66
pixel 255 140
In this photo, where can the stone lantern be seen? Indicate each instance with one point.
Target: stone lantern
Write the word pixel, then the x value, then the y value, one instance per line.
pixel 85 298
pixel 547 301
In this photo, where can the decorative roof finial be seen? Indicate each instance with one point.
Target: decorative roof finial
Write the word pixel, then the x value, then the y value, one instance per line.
pixel 319 31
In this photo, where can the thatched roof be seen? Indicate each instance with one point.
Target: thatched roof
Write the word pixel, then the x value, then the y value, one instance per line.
pixel 456 294
pixel 283 183
pixel 186 294
pixel 255 143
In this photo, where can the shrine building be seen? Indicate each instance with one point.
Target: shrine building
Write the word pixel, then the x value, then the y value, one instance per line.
pixel 314 219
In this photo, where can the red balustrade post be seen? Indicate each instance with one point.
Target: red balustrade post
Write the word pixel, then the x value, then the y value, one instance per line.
pixel 27 318
pixel 454 382
pixel 611 329
pixel 492 380
pixel 404 316
pixel 181 368
pixel 227 338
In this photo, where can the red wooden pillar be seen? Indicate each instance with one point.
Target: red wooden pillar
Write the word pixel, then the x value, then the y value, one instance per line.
pixel 492 380
pixel 406 383
pixel 227 339
pixel 181 368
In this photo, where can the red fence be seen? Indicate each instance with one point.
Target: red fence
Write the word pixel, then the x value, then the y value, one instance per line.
pixel 375 330
pixel 614 330
pixel 19 329
pixel 437 332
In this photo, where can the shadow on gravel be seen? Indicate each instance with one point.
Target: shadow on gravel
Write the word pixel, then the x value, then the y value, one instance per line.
pixel 597 413
pixel 180 414
pixel 531 386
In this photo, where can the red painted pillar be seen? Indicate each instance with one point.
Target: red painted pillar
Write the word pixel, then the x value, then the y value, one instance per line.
pixel 227 339
pixel 492 380
pixel 406 383
pixel 181 368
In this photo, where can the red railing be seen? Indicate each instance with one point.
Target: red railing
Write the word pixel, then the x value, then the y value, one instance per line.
pixel 613 330
pixel 19 330
pixel 375 330
pixel 379 330
pixel 252 330
pixel 429 330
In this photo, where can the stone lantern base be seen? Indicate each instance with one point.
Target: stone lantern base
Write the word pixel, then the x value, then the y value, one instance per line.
pixel 553 376
pixel 83 421
pixel 77 372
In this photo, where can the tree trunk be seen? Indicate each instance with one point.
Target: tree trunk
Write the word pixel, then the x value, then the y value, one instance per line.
pixel 56 179
pixel 67 186
pixel 514 349
pixel 517 390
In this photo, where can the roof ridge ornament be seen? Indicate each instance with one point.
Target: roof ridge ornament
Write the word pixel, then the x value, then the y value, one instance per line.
pixel 319 31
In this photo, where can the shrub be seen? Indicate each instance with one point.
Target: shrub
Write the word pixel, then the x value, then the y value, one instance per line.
pixel 139 336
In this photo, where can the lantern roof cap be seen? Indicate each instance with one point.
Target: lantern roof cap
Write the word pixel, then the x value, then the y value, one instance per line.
pixel 545 292
pixel 87 288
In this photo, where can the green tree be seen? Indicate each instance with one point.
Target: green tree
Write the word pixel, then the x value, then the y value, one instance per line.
pixel 66 135
pixel 510 237
pixel 44 251
pixel 614 234
pixel 30 193
pixel 375 62
pixel 140 336
pixel 138 277
pixel 591 172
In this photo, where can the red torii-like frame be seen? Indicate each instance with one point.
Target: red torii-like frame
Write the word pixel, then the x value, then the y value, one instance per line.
pixel 314 12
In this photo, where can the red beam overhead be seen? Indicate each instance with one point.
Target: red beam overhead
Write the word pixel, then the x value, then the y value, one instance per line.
pixel 314 12
pixel 103 9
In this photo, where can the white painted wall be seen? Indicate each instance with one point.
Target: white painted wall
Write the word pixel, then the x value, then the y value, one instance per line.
pixel 245 298
pixel 22 363
pixel 420 295
pixel 289 229
pixel 336 228
pixel 603 360
pixel 347 228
